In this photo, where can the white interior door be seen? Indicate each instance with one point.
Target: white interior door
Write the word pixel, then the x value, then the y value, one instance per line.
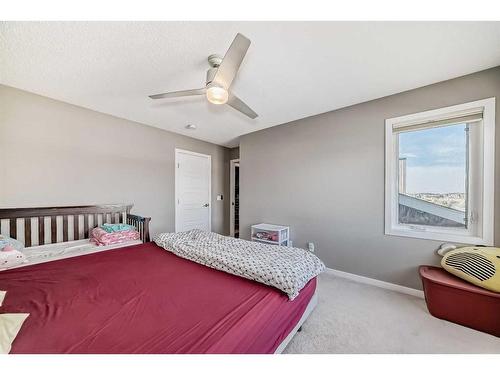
pixel 192 191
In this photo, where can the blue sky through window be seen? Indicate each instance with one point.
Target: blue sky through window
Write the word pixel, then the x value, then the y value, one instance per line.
pixel 435 159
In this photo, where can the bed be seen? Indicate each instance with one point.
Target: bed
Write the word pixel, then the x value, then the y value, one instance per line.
pixel 143 299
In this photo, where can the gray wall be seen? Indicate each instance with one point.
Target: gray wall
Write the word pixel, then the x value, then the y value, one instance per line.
pixel 54 153
pixel 324 176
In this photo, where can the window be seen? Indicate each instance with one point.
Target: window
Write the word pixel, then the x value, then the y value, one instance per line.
pixel 440 174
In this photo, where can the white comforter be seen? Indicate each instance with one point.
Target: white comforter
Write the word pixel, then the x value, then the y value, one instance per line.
pixel 286 268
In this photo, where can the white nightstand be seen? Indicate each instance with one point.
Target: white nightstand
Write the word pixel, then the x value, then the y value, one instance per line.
pixel 271 234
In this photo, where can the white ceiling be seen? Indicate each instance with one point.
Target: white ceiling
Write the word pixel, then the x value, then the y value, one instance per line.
pixel 292 69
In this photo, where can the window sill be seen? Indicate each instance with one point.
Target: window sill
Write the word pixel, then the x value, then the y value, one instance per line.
pixel 439 236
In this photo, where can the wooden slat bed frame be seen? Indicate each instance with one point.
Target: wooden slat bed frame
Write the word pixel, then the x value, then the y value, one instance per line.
pixel 108 213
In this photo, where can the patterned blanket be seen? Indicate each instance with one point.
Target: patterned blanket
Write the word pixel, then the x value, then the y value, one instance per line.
pixel 286 268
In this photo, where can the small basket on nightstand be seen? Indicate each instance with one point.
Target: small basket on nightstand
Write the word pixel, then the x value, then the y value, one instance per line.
pixel 271 234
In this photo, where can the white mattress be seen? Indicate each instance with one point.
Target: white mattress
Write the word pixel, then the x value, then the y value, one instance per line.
pixel 62 250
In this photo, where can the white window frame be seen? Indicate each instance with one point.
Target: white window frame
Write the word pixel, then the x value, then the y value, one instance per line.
pixel 481 201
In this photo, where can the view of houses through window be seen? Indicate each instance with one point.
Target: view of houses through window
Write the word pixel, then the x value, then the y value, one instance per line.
pixel 433 176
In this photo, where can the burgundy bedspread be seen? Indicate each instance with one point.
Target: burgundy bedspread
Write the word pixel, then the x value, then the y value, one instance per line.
pixel 142 299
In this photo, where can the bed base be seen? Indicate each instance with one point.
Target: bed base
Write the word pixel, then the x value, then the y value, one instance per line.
pixel 298 327
pixel 64 220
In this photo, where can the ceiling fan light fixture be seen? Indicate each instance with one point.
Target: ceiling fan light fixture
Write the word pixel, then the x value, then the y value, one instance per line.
pixel 217 95
pixel 219 78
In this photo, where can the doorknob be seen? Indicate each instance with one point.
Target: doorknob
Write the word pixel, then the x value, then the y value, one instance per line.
pixel 206 205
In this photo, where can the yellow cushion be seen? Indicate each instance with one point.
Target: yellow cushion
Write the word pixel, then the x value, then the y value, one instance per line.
pixel 10 324
pixel 477 265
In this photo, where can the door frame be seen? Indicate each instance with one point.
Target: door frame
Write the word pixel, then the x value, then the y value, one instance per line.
pixel 232 173
pixel 176 201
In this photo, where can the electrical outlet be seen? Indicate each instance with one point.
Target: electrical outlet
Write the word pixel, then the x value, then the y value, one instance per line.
pixel 310 247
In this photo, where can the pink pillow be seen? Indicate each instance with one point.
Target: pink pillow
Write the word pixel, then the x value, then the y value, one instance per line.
pixel 102 238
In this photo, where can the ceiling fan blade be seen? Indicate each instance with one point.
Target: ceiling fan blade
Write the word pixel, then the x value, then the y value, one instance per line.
pixel 178 94
pixel 238 104
pixel 232 61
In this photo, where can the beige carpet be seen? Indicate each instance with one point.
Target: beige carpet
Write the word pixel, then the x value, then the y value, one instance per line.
pixel 358 318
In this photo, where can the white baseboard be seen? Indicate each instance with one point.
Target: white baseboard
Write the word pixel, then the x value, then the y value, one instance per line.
pixel 375 282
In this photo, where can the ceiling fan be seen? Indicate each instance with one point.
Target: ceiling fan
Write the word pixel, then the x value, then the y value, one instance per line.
pixel 219 78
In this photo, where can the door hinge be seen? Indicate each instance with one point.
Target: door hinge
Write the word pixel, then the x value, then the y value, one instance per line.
pixel 178 165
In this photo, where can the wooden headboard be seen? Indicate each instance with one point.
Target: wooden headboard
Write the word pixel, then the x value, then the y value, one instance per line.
pixel 66 222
